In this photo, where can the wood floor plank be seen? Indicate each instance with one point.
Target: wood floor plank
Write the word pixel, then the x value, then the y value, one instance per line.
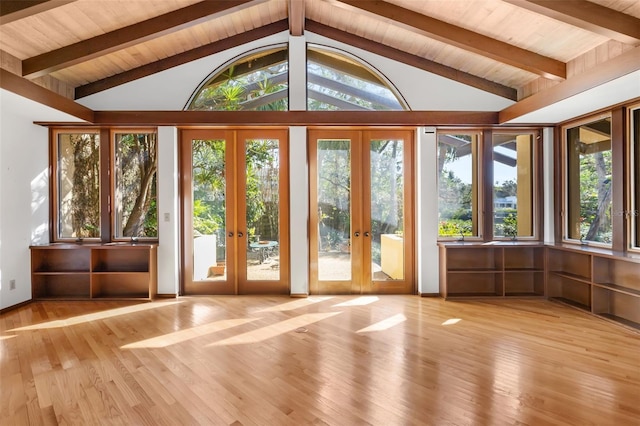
pixel 331 360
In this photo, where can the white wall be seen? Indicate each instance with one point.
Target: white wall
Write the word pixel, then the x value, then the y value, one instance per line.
pixel 168 212
pixel 24 190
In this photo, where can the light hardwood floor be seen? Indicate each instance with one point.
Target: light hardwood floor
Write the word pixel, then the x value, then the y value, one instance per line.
pixel 338 360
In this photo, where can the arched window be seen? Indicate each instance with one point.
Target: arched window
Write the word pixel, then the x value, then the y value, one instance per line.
pixel 336 81
pixel 259 81
pixel 256 82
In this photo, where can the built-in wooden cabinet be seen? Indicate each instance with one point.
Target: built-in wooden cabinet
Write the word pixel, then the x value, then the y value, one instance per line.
pixel 597 281
pixel 94 271
pixel 491 269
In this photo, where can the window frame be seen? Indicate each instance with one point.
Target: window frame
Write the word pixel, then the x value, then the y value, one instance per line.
pixel 564 169
pixel 54 134
pixel 632 213
pixel 113 207
pixel 479 175
pixel 106 182
pixel 536 184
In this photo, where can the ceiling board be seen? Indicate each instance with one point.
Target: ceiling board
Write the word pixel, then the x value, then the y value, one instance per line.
pixel 395 29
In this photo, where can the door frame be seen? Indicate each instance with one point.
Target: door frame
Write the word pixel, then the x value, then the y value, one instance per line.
pixel 364 283
pixel 236 282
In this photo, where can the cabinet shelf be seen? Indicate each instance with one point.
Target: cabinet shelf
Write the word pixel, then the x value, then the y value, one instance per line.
pixel 496 270
pixel 573 277
pixel 618 288
pixel 598 281
pixel 93 271
pixel 571 303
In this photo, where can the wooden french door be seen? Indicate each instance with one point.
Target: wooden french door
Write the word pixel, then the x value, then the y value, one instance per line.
pixel 361 223
pixel 235 222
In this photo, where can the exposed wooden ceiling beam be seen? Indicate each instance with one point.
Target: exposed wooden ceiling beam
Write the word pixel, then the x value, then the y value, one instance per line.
pixel 460 37
pixel 412 60
pixel 14 10
pixel 287 118
pixel 617 67
pixel 131 35
pixel 589 16
pixel 296 17
pixel 180 59
pixel 27 89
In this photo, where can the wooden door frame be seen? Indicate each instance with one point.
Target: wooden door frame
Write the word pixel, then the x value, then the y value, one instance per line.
pixel 364 283
pixel 235 169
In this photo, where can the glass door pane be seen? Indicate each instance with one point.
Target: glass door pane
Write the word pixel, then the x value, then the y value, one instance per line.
pixel 334 209
pixel 209 209
pixel 386 189
pixel 262 190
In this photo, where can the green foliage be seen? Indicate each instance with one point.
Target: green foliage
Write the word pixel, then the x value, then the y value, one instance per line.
pixel 455 228
pixel 136 198
pixel 80 154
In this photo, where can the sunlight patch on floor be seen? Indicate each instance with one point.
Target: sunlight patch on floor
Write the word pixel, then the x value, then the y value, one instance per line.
pixel 301 303
pixel 96 316
pixel 188 334
pixel 275 330
pixel 359 301
pixel 451 321
pixel 385 324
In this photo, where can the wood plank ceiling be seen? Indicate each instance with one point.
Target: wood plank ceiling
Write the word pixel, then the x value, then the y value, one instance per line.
pixel 513 48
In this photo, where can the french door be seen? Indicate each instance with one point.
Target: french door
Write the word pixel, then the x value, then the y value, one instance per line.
pixel 235 211
pixel 361 223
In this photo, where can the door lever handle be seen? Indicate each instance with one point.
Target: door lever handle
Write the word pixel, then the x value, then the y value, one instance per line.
pixel 240 235
pixel 230 234
pixel 366 234
pixel 356 234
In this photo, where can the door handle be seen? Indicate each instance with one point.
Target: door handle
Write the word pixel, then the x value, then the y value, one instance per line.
pixel 366 234
pixel 240 234
pixel 356 234
pixel 230 234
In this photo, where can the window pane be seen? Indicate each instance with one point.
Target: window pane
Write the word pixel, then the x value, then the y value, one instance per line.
pixel 336 82
pixel 635 167
pixel 458 185
pixel 78 164
pixel 258 81
pixel 513 175
pixel 589 182
pixel 135 204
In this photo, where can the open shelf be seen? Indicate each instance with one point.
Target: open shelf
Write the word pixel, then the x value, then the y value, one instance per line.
pixel 596 280
pixel 491 270
pixel 93 271
pixel 524 283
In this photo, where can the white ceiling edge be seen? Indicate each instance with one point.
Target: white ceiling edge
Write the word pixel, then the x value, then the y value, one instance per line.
pixel 16 105
pixel 614 92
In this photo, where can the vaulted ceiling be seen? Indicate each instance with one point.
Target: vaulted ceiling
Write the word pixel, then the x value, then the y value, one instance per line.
pixel 516 49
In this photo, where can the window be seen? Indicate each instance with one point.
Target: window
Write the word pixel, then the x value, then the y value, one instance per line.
pixel 336 81
pixel 256 81
pixel 81 188
pixel 513 187
pixel 458 185
pixel 259 80
pixel 76 170
pixel 134 186
pixel 635 181
pixel 589 182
